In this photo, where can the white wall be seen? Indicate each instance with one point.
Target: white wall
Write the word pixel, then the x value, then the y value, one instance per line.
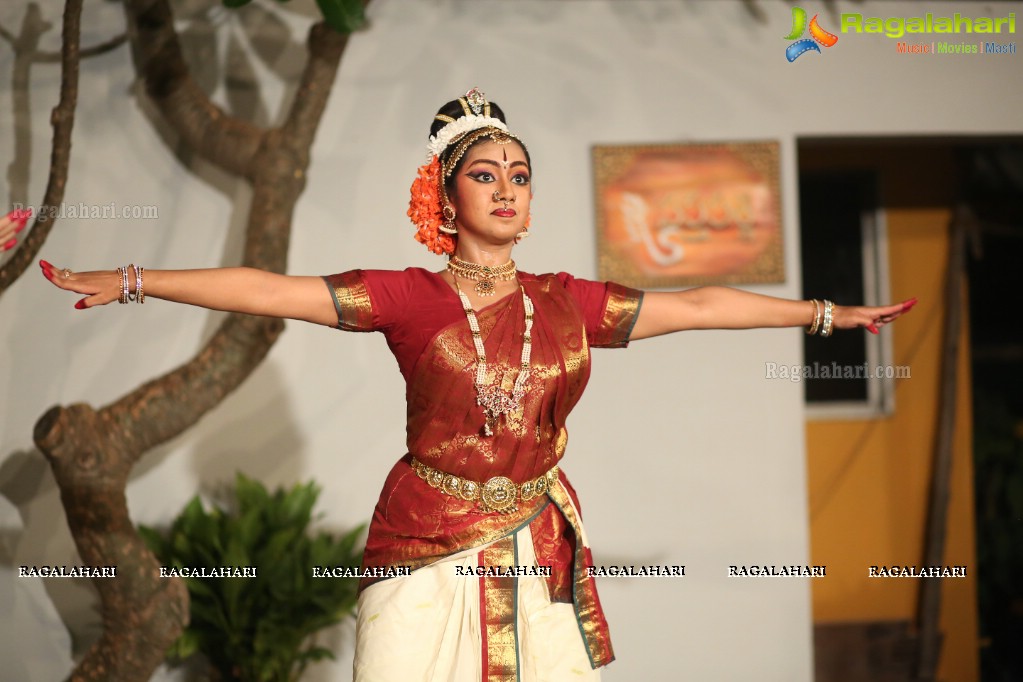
pixel 682 451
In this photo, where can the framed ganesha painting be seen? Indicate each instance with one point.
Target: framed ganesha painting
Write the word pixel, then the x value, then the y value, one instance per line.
pixel 688 214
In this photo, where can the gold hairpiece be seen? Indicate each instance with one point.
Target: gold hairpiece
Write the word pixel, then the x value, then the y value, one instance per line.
pixel 497 135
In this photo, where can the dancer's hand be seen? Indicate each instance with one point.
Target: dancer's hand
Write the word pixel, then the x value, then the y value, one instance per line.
pixel 870 318
pixel 10 225
pixel 100 287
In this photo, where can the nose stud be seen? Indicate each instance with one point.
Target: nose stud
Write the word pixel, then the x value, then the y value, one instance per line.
pixel 496 196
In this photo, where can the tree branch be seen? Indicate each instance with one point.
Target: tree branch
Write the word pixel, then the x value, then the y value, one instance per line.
pixel 325 47
pixel 278 175
pixel 213 134
pixel 92 452
pixel 24 46
pixel 54 57
pixel 86 52
pixel 142 613
pixel 63 121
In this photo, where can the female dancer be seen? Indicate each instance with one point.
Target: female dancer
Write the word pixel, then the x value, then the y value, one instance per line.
pixel 494 359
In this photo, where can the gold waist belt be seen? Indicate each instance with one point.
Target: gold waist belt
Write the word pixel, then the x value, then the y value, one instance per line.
pixel 497 494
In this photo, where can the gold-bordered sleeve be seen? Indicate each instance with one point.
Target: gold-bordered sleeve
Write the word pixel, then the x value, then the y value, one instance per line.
pixel 620 314
pixel 351 301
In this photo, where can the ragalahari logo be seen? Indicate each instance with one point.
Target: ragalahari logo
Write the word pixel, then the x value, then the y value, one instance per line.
pixel 817 35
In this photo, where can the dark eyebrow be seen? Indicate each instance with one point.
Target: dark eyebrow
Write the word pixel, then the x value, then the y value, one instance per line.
pixel 495 164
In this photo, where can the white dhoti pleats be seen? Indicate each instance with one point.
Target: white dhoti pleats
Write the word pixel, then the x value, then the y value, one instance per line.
pixel 426 627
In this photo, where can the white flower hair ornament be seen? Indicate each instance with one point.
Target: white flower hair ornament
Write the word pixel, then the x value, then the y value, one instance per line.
pixel 460 126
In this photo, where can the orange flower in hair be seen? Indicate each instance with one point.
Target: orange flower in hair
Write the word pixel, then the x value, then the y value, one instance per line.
pixel 425 209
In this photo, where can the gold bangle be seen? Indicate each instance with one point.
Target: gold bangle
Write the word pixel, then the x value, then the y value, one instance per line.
pixel 815 325
pixel 122 273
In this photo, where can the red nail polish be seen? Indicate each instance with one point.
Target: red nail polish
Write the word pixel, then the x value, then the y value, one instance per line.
pixel 14 215
pixel 45 264
pixel 80 305
pixel 872 329
pixel 10 243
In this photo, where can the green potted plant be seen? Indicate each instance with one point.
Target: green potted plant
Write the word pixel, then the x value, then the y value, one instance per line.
pixel 258 628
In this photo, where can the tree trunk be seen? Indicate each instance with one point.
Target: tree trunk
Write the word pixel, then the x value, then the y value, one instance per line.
pixel 92 452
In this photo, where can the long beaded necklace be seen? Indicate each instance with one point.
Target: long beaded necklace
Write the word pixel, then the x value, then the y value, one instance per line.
pixel 484 275
pixel 493 400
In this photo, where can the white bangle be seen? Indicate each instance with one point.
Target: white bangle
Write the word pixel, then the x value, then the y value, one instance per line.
pixel 828 318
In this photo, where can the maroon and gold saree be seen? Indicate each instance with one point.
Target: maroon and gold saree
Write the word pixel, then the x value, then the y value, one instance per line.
pixel 418 524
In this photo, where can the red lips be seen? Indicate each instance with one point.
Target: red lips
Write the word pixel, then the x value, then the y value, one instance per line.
pixel 505 213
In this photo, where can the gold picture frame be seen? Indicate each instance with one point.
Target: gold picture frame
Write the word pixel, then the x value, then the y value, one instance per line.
pixel 676 215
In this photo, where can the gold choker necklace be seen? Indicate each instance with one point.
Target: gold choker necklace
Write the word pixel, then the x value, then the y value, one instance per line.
pixel 484 275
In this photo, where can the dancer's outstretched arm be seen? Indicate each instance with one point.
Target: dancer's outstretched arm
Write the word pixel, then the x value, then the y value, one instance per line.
pixel 236 290
pixel 664 312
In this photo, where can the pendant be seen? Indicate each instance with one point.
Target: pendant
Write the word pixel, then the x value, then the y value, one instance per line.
pixel 485 287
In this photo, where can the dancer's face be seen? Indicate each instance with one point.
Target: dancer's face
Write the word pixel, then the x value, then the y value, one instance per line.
pixel 492 192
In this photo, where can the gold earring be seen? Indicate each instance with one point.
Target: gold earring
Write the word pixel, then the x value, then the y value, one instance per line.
pixel 449 220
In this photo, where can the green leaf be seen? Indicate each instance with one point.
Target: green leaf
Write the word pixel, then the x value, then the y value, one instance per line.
pixel 283 543
pixel 250 494
pixel 249 527
pixel 256 628
pixel 344 16
pixel 296 506
pixel 197 587
pixel 192 516
pixel 186 645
